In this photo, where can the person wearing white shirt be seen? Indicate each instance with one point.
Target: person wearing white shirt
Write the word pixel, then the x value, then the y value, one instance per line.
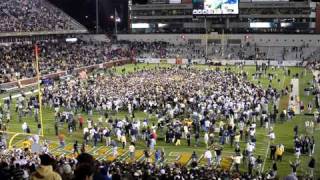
pixel 85 130
pixel 206 139
pixel 118 133
pixel 208 156
pixel 272 136
pixel 24 127
pixel 132 151
pixel 185 130
pixel 89 124
pixel 237 161
pixel 250 148
pixel 252 133
pixel 36 139
pixel 120 124
pixel 207 124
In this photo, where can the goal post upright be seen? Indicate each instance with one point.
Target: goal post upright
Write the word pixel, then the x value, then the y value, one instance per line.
pixel 36 49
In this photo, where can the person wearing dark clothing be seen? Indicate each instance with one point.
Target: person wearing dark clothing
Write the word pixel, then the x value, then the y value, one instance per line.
pixel 4 171
pixel 75 148
pixel 273 149
pixel 189 139
pixel 295 130
pixel 274 167
pixel 197 136
pixel 84 171
pixel 294 166
pixel 56 130
pixel 311 165
pixel 16 172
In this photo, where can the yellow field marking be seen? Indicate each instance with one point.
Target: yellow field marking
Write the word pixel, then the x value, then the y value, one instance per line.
pixel 68 147
pixel 102 151
pixel 226 163
pixel 184 158
pixel 53 146
pixel 137 155
pixel 14 136
pixel 120 153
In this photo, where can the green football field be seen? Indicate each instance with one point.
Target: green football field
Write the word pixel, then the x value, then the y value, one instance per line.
pixel 284 131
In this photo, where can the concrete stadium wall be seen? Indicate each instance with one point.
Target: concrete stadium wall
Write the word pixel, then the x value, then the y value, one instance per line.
pixel 258 39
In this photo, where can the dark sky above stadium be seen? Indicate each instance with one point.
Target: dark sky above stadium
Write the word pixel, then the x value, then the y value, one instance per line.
pixel 84 11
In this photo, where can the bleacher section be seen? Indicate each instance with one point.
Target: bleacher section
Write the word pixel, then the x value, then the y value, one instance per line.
pixel 17 16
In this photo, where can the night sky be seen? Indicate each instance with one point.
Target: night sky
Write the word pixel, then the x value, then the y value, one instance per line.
pixel 84 12
pixel 81 10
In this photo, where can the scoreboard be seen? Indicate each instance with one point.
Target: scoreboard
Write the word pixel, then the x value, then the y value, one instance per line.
pixel 215 7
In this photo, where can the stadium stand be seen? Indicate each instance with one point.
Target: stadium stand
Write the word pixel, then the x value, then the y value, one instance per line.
pixel 62 56
pixel 18 59
pixel 34 16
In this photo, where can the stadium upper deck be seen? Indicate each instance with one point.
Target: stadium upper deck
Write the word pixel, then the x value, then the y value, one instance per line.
pixel 32 17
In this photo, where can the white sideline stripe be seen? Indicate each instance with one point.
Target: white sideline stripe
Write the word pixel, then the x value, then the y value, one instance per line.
pixel 19 95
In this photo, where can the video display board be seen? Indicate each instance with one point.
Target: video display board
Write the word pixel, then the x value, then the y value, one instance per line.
pixel 174 1
pixel 215 7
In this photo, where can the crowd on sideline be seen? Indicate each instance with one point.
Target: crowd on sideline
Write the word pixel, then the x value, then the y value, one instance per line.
pixel 31 16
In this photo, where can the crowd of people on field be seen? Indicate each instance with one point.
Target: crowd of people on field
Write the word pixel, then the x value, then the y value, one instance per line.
pixel 31 16
pixel 22 163
pixel 213 107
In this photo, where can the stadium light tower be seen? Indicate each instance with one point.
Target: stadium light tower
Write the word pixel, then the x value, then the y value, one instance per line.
pixel 116 19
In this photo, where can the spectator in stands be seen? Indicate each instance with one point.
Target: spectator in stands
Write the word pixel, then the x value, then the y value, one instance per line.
pixel 45 171
pixel 84 171
pixel 23 16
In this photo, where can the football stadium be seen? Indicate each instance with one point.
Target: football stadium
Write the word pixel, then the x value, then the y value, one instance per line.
pixel 159 89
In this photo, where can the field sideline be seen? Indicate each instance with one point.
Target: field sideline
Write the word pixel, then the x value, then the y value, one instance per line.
pixel 284 132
